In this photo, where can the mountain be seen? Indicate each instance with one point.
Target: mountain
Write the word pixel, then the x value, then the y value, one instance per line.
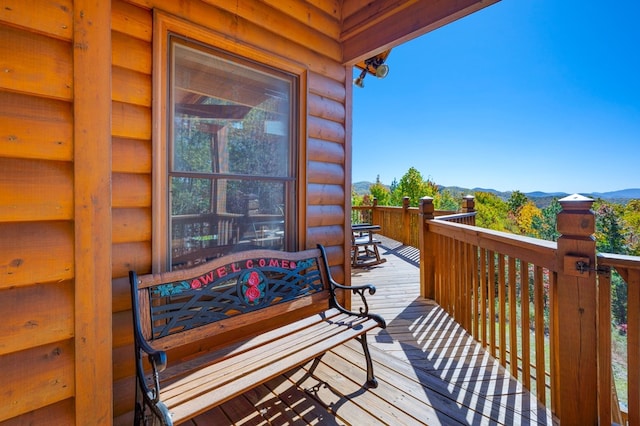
pixel 624 193
pixel 539 197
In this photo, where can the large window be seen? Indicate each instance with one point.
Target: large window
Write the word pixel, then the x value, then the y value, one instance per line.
pixel 231 168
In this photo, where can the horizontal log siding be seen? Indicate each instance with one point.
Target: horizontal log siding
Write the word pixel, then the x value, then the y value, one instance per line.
pixel 310 41
pixel 36 124
pixel 36 213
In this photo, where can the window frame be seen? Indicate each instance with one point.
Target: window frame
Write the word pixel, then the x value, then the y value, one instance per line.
pixel 165 27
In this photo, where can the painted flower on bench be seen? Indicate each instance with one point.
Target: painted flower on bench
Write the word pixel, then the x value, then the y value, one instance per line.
pixel 252 284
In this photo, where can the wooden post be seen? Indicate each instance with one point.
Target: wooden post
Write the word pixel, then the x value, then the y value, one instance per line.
pixel 468 204
pixel 375 214
pixel 427 273
pixel 576 308
pixel 92 220
pixel 406 222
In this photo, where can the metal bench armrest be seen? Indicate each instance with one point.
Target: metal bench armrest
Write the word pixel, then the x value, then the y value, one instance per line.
pixel 359 290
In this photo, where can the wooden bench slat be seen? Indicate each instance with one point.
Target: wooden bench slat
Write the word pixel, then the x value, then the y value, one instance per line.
pixel 229 368
pixel 216 396
pixel 227 362
pixel 246 345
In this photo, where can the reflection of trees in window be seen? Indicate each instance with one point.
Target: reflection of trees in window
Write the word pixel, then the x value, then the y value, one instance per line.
pixel 230 168
pixel 258 145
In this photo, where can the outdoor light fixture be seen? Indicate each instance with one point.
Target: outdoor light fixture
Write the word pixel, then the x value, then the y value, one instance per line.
pixel 360 80
pixel 374 65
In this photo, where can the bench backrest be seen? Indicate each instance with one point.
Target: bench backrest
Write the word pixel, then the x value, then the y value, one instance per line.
pixel 169 305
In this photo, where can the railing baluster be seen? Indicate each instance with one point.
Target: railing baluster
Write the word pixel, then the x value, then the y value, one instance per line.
pixel 524 318
pixel 483 297
pixel 492 302
pixel 604 347
pixel 633 344
pixel 539 309
pixel 513 319
pixel 502 305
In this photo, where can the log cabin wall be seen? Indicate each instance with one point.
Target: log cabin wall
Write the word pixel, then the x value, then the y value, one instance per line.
pixel 41 261
pixel 55 213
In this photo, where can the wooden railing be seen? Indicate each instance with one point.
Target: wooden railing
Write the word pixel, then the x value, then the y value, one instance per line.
pixel 541 308
pixel 628 268
pixel 497 286
pixel 403 223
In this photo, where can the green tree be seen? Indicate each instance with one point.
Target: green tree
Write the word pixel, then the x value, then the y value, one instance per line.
pixel 380 192
pixel 544 225
pixel 492 212
pixel 444 200
pixel 610 239
pixel 516 201
pixel 411 185
pixel 631 221
pixel 524 218
pixel 609 228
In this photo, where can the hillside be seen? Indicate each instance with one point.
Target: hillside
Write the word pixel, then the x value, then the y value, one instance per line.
pixel 541 199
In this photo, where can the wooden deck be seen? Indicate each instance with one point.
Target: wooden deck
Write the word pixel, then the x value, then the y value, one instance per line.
pixel 430 371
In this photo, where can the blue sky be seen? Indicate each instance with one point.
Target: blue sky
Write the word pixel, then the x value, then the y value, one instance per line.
pixel 529 95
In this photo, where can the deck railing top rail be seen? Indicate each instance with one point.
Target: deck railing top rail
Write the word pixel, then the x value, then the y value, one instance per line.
pixel 528 249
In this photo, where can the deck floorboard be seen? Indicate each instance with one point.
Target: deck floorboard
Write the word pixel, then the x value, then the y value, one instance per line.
pixel 430 370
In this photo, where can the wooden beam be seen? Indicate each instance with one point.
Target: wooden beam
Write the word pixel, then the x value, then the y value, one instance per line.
pixel 92 211
pixel 385 24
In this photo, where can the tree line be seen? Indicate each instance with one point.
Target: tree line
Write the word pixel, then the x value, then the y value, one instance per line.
pixel 617 225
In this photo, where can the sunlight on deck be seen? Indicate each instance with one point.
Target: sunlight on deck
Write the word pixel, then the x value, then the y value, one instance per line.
pixel 460 378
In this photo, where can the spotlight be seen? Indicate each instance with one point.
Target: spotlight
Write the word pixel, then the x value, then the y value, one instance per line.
pixel 360 80
pixel 374 65
pixel 382 71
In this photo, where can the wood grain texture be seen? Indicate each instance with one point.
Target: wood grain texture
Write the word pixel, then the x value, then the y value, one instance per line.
pixel 131 87
pixel 48 319
pixel 131 53
pixel 33 190
pixel 321 215
pixel 325 151
pixel 36 377
pixel 323 193
pixel 131 156
pixel 35 127
pixel 131 190
pixel 92 212
pixel 131 225
pixel 50 17
pixel 36 252
pixel 131 121
pixel 129 19
pixel 35 64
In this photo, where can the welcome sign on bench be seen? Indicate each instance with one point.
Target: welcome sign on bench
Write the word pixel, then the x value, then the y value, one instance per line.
pixel 185 306
pixel 229 290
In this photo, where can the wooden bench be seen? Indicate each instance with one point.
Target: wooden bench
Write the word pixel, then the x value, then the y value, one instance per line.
pixel 244 319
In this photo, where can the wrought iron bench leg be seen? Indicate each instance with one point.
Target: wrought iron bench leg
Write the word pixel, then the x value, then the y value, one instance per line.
pixel 371 380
